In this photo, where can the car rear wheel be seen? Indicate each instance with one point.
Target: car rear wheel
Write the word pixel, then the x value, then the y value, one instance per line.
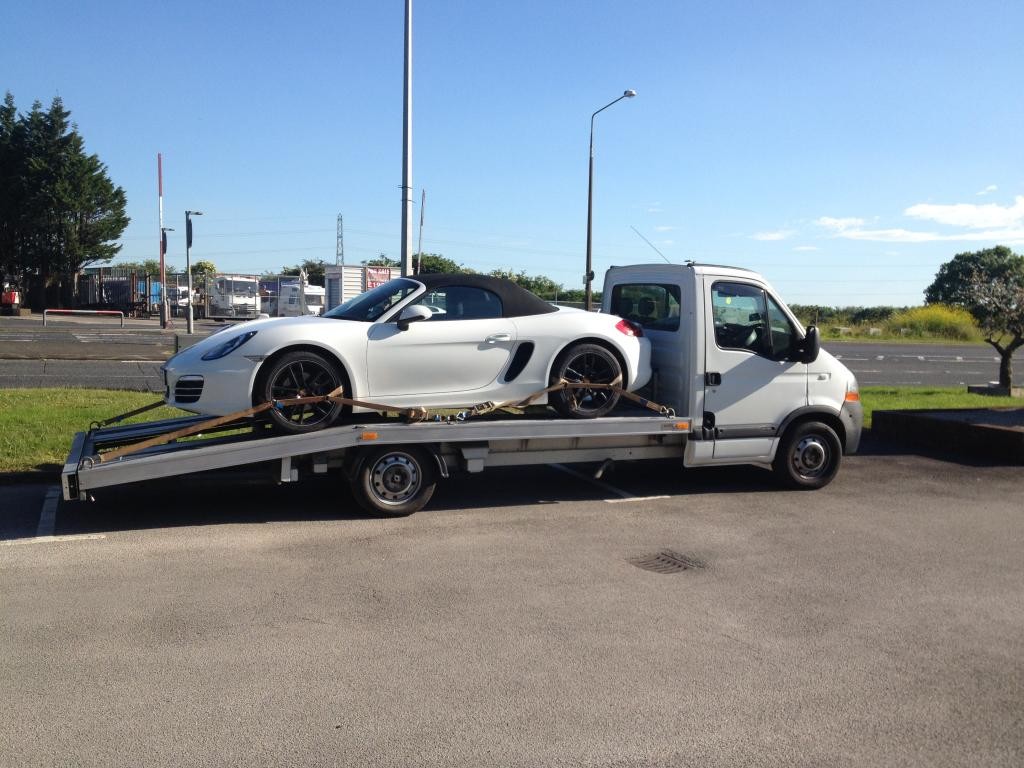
pixel 300 374
pixel 585 364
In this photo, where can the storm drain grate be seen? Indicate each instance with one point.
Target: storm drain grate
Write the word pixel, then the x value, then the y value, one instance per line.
pixel 666 561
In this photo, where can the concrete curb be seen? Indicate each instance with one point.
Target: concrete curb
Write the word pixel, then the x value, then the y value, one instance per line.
pixel 992 433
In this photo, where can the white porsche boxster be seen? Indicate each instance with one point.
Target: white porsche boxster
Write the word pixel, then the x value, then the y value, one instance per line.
pixel 437 341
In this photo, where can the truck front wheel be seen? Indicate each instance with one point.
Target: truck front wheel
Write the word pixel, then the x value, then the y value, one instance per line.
pixel 395 481
pixel 808 456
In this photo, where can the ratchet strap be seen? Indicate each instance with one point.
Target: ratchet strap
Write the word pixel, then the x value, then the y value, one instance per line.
pixel 409 415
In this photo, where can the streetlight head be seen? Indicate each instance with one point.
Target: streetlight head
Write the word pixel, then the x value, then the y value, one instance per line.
pixel 629 94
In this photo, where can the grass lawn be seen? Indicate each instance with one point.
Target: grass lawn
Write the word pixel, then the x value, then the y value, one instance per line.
pixel 36 425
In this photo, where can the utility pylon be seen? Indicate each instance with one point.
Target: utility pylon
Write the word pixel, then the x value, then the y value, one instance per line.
pixel 339 253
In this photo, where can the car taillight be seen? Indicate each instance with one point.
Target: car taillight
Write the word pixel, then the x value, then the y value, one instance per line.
pixel 629 328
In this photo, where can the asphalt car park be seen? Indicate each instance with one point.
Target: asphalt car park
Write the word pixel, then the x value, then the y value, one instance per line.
pixel 528 616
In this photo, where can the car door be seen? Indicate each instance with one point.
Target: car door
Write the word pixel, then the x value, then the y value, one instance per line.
pixel 462 347
pixel 749 386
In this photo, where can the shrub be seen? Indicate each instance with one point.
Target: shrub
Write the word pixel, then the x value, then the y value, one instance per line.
pixel 935 320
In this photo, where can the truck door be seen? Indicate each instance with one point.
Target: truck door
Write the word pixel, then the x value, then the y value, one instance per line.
pixel 749 384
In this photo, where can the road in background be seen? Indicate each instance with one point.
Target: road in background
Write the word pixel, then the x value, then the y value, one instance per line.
pixel 936 365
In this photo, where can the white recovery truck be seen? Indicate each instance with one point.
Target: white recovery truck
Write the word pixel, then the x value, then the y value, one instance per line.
pixel 739 379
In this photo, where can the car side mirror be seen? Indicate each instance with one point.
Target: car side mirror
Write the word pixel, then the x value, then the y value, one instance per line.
pixel 806 350
pixel 412 314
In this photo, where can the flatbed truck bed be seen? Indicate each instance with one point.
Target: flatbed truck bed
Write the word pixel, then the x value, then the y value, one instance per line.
pixel 392 466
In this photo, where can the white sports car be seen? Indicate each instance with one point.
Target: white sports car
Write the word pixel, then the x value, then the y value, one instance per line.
pixel 437 341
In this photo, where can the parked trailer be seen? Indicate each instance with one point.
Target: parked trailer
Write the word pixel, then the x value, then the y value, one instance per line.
pixel 749 384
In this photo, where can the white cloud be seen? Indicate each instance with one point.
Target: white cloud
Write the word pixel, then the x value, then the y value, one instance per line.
pixel 987 190
pixel 806 248
pixel 655 209
pixel 971 216
pixel 663 229
pixel 780 234
pixel 839 225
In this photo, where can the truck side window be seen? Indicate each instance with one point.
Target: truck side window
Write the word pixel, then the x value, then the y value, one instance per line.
pixel 740 317
pixel 782 331
pixel 652 305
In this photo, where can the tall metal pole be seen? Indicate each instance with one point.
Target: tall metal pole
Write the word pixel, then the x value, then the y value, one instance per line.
pixel 407 148
pixel 188 263
pixel 164 306
pixel 588 278
pixel 419 247
pixel 188 270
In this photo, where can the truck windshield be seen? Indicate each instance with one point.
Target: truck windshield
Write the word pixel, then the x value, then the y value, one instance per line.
pixel 369 306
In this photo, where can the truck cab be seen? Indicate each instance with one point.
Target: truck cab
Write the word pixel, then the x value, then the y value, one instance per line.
pixel 728 353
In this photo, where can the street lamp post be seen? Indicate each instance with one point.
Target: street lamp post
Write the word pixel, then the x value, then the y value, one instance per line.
pixel 588 278
pixel 165 307
pixel 188 264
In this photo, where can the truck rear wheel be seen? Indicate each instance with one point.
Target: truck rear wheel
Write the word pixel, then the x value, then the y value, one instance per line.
pixel 395 481
pixel 808 456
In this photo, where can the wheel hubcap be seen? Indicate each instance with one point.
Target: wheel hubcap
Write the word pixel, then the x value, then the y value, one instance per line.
pixel 589 369
pixel 304 378
pixel 811 456
pixel 395 478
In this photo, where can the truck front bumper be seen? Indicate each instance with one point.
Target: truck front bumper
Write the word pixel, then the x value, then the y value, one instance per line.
pixel 852 416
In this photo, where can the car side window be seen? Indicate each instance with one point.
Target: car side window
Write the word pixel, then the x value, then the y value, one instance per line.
pixel 462 302
pixel 651 305
pixel 740 314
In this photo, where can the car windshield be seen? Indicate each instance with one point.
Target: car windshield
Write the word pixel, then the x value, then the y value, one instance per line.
pixel 369 306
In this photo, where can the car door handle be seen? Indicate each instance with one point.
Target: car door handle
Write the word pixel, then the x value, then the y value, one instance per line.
pixel 496 337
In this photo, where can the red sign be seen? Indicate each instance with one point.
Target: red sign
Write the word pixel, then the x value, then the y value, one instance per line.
pixel 377 276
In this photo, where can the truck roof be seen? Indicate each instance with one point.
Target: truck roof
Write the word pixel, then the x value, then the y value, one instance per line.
pixel 697 267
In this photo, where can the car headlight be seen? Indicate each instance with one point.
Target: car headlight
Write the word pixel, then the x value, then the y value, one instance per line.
pixel 228 346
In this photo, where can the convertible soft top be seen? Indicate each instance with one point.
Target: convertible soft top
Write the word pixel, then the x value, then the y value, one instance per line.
pixel 516 301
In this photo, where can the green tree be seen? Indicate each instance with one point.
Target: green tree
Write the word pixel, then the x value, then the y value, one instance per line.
pixel 203 268
pixel 146 267
pixel 59 211
pixel 990 285
pixel 382 261
pixel 542 286
pixel 433 263
pixel 314 271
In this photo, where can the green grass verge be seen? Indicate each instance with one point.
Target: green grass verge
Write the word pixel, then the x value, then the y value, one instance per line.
pixel 36 425
pixel 927 398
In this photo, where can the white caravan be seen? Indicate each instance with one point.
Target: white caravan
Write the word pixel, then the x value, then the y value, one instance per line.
pixel 232 297
pixel 293 301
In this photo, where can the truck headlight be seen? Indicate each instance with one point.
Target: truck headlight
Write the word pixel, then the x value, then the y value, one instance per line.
pixel 228 346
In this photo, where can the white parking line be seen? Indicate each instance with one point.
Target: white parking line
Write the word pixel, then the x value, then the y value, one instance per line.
pixel 48 514
pixel 54 539
pixel 623 495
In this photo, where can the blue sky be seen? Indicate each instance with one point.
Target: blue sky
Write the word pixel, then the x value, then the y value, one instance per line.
pixel 843 149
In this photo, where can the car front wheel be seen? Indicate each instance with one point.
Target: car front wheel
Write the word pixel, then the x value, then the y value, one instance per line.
pixel 300 374
pixel 586 364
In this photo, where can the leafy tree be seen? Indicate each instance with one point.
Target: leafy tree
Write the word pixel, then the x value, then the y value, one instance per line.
pixel 203 268
pixel 146 267
pixel 314 271
pixel 59 211
pixel 382 261
pixel 990 285
pixel 433 263
pixel 540 285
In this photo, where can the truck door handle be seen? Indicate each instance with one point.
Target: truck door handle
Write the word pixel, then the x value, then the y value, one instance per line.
pixel 712 379
pixel 496 337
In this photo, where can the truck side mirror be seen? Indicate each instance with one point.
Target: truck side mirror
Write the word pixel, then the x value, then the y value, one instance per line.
pixel 806 350
pixel 412 314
